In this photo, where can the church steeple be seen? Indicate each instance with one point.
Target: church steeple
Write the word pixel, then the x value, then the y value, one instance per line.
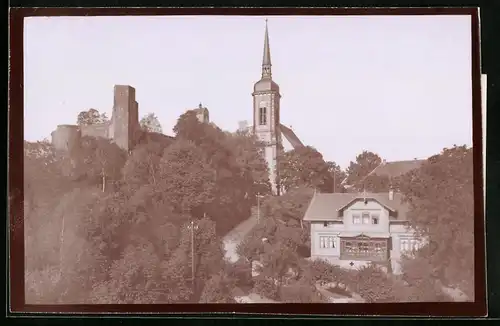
pixel 266 58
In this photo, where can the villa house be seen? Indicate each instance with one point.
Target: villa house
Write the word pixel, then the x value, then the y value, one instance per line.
pixel 354 229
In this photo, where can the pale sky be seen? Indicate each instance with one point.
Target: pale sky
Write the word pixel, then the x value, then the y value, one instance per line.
pixel 399 86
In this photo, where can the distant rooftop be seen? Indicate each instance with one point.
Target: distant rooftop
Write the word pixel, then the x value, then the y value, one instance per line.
pixel 391 169
pixel 396 168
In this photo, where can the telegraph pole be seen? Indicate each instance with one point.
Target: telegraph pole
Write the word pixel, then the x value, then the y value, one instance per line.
pixel 192 227
pixel 258 207
pixel 192 251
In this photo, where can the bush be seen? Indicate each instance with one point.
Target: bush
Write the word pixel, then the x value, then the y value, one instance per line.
pixel 218 290
pixel 241 272
pixel 373 285
pixel 300 292
pixel 266 288
pixel 323 271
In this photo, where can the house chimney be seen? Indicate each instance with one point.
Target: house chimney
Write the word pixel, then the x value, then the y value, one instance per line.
pixel 391 194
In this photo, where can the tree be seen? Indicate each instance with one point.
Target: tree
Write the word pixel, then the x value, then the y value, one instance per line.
pixel 301 291
pixel 150 123
pixel 69 246
pixel 378 183
pixel 44 187
pixel 142 166
pixel 337 176
pixel 100 160
pixel 43 180
pixel 278 262
pixel 218 289
pixel 364 164
pixel 189 127
pixel 250 161
pixel 91 117
pixel 289 208
pixel 238 172
pixel 134 279
pixel 304 166
pixel 373 285
pixel 177 280
pixel 441 200
pixel 420 288
pixel 187 181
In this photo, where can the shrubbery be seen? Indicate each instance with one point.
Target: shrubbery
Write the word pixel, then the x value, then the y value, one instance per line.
pixel 266 288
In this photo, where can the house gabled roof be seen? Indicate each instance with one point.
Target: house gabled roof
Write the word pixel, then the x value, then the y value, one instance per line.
pixel 291 136
pixel 329 206
pixel 381 198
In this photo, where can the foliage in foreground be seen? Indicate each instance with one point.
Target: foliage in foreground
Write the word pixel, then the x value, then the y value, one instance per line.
pixel 105 227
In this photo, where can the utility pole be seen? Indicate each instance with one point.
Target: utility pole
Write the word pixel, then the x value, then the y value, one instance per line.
pixel 192 227
pixel 334 182
pixel 258 207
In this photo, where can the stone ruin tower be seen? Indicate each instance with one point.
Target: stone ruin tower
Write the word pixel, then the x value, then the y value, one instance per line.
pixel 123 128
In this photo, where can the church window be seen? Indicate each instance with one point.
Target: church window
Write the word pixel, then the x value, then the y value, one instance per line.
pixel 263 116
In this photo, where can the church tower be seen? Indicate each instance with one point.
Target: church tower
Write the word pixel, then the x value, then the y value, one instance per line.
pixel 266 114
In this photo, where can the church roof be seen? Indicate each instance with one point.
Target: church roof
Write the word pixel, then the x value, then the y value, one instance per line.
pixel 266 58
pixel 291 136
pixel 266 84
pixel 329 206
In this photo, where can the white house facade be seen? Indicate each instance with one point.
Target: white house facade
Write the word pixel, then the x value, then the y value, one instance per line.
pixel 352 230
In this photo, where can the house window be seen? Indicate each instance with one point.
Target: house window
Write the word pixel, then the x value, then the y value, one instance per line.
pixel 263 116
pixel 325 224
pixel 327 242
pixel 404 245
pixel 366 218
pixel 356 219
pixel 374 219
pixel 363 249
pixel 408 245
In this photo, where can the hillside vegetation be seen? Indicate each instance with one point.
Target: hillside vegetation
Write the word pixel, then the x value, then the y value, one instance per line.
pixel 105 226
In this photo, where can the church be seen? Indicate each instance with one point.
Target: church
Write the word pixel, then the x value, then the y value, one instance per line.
pixel 124 130
pixel 266 118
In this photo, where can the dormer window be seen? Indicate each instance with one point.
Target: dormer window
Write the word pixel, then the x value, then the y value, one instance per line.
pixel 366 218
pixel 263 116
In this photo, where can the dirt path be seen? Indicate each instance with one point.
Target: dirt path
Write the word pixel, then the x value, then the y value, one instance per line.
pixel 235 236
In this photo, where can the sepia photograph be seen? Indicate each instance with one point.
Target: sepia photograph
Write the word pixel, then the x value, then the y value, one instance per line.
pixel 199 159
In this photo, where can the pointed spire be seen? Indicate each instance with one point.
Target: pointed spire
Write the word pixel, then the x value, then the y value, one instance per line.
pixel 266 58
